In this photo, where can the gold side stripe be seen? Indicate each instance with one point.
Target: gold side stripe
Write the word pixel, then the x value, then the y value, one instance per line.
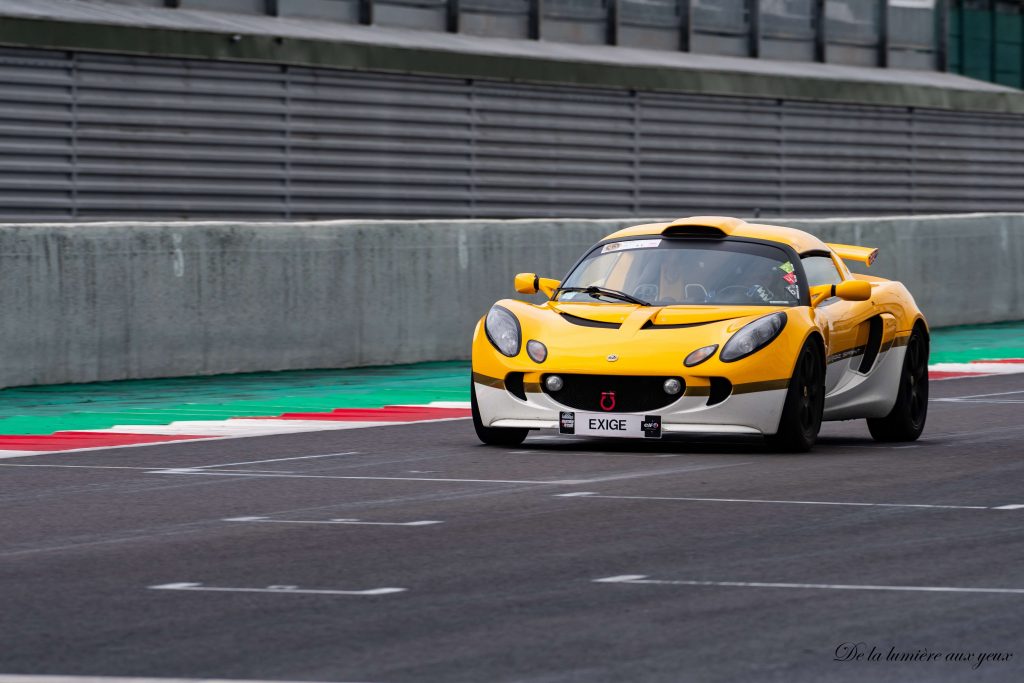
pixel 697 391
pixel 488 381
pixel 532 387
pixel 769 385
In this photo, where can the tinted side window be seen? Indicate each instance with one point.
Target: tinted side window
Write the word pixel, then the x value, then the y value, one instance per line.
pixel 820 270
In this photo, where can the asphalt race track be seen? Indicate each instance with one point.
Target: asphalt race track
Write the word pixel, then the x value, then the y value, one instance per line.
pixel 578 560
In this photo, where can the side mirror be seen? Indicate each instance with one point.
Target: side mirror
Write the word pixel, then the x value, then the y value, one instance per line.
pixel 854 290
pixel 847 290
pixel 529 283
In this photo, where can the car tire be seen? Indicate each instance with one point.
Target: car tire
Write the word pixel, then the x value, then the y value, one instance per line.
pixel 805 403
pixel 494 436
pixel 905 421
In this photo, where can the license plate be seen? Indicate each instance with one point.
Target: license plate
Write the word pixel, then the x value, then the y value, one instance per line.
pixel 605 424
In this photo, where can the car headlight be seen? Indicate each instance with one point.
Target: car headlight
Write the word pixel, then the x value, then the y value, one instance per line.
pixel 753 336
pixel 502 330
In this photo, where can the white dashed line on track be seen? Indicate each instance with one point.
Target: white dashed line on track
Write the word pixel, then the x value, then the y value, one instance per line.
pixel 268 520
pixel 294 590
pixel 588 494
pixel 642 579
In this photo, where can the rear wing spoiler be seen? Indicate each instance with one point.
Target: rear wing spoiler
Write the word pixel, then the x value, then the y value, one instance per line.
pixel 848 252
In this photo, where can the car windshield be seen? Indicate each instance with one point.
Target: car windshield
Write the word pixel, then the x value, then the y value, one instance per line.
pixel 666 272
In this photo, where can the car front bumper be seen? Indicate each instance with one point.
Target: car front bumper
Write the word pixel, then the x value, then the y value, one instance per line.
pixel 747 410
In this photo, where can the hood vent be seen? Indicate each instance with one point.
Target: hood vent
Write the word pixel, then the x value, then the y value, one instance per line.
pixel 651 325
pixel 586 322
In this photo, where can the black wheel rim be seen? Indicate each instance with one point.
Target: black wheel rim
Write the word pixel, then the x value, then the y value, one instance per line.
pixel 915 378
pixel 811 392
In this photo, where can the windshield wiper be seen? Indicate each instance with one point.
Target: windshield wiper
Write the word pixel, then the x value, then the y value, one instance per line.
pixel 595 291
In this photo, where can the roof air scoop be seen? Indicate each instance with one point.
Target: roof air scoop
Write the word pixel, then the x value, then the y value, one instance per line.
pixel 693 231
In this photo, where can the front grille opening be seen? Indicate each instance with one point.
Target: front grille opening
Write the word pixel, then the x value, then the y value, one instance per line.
pixel 514 385
pixel 720 390
pixel 613 393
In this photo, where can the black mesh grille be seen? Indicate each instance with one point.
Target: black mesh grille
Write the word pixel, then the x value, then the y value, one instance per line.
pixel 631 394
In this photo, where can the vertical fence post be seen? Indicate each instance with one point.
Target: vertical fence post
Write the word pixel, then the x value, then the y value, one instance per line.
pixel 821 31
pixel 942 10
pixel 614 19
pixel 536 19
pixel 686 24
pixel 883 33
pixel 754 14
pixel 454 15
pixel 366 12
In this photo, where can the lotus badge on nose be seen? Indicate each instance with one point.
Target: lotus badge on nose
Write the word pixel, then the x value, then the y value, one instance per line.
pixel 607 400
pixel 612 358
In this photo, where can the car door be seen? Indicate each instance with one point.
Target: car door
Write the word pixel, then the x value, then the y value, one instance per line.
pixel 849 325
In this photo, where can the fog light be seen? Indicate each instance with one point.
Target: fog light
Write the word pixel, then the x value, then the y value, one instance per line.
pixel 553 383
pixel 700 355
pixel 672 386
pixel 537 351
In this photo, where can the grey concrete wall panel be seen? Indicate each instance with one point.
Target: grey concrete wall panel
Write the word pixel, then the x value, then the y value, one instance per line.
pixel 140 3
pixel 335 10
pixel 495 18
pixel 102 137
pixel 649 38
pixel 424 15
pixel 912 38
pixel 788 30
pixel 576 21
pixel 239 6
pixel 852 21
pixel 132 300
pixel 650 24
pixel 721 27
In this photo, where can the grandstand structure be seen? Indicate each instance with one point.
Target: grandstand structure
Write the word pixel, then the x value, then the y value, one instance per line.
pixel 320 109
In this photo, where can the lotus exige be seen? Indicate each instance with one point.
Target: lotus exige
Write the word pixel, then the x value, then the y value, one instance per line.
pixel 704 325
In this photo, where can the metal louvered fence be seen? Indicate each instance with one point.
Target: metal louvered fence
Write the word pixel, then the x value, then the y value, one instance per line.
pixel 94 137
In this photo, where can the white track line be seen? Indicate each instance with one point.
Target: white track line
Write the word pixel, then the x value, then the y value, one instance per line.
pixel 260 462
pixel 998 393
pixel 586 494
pixel 16 678
pixel 272 589
pixel 229 473
pixel 642 579
pixel 422 522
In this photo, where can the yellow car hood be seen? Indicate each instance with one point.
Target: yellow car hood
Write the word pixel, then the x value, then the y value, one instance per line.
pixel 580 336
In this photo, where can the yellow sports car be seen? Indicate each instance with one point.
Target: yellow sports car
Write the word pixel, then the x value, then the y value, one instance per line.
pixel 704 325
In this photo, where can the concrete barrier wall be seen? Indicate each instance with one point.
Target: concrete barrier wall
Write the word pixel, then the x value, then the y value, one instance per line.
pixel 107 301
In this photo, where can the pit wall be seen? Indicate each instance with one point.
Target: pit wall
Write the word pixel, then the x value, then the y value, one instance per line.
pixel 107 301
